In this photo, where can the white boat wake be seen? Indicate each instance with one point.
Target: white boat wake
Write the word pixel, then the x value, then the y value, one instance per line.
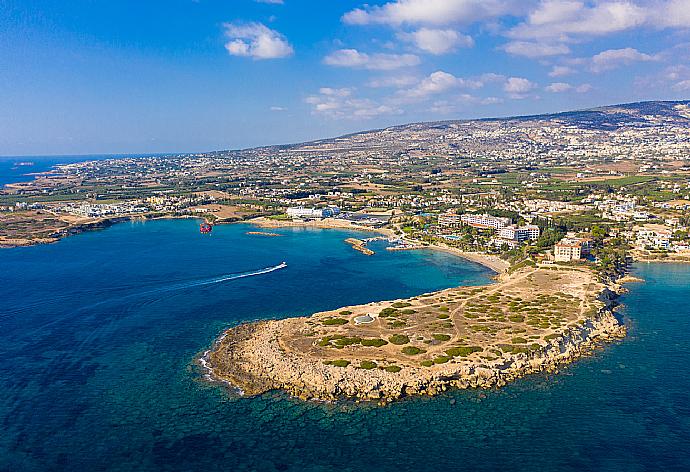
pixel 188 285
pixel 223 278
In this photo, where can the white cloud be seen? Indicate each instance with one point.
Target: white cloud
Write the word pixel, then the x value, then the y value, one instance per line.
pixel 614 58
pixel 672 14
pixel 396 81
pixel 257 41
pixel 439 82
pixel 562 19
pixel 558 87
pixel 535 49
pixel 335 92
pixel 277 108
pixel 354 58
pixel 460 102
pixel 518 87
pixel 560 71
pixel 272 2
pixel 431 12
pixel 340 104
pixel 682 86
pixel 438 41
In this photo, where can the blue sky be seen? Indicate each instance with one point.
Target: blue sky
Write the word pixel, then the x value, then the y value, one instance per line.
pixel 193 75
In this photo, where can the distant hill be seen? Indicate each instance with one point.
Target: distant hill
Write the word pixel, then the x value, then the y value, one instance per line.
pixel 646 117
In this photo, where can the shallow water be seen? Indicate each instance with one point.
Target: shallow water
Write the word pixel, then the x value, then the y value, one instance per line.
pixel 99 334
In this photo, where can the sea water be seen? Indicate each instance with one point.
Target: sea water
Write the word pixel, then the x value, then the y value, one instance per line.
pixel 99 334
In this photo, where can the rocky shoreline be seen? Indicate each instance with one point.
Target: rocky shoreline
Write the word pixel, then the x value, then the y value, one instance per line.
pixel 254 357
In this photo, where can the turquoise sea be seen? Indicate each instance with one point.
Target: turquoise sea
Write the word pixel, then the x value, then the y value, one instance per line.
pixel 99 333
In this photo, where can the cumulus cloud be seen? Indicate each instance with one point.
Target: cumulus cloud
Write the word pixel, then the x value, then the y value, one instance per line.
pixel 272 2
pixel 614 58
pixel 563 19
pixel 682 86
pixel 277 108
pixel 438 41
pixel 379 61
pixel 672 14
pixel 535 49
pixel 431 12
pixel 461 102
pixel 560 87
pixel 256 40
pixel 518 87
pixel 395 81
pixel 560 71
pixel 340 103
pixel 439 82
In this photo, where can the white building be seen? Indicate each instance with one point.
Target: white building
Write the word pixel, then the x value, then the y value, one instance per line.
pixel 567 250
pixel 485 221
pixel 519 233
pixel 301 212
pixel 449 220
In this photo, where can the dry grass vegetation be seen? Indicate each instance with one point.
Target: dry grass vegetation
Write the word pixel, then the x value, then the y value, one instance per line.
pixel 517 315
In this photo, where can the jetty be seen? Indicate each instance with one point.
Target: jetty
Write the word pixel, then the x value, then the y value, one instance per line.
pixel 360 245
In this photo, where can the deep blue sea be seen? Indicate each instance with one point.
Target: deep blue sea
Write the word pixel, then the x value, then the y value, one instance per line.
pixel 99 333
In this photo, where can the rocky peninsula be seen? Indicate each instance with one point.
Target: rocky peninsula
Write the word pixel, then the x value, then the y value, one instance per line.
pixel 532 320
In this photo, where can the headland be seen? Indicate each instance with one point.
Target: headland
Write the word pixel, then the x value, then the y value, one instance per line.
pixel 534 319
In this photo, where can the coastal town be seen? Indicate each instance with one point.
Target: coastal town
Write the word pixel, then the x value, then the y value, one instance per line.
pixel 556 205
pixel 504 187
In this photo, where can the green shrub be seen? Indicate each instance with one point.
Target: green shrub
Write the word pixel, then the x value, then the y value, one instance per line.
pixel 367 365
pixel 441 359
pixel 374 342
pixel 427 363
pixel 327 340
pixel 341 342
pixel 441 337
pixel 392 368
pixel 346 313
pixel 518 340
pixel 401 304
pixel 386 312
pixel 399 339
pixel 334 322
pixel 408 311
pixel 397 324
pixel 444 308
pixel 463 351
pixel 516 318
pixel 443 316
pixel 412 350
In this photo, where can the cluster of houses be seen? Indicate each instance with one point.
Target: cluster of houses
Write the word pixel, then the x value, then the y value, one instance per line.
pixel 97 210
